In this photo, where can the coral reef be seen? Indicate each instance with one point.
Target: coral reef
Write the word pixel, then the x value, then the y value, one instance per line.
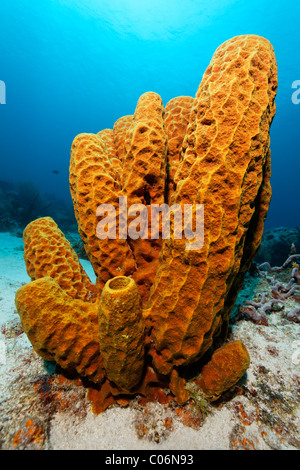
pixel 276 244
pixel 21 202
pixel 158 306
pixel 278 291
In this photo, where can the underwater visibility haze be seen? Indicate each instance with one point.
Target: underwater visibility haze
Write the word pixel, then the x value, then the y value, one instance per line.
pixel 77 66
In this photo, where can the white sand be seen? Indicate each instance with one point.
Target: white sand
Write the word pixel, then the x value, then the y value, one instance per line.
pixel 262 412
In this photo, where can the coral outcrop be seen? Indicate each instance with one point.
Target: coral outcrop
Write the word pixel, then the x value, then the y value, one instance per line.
pixel 273 299
pixel 210 150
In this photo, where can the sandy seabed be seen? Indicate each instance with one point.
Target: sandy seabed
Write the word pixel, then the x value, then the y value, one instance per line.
pixel 40 410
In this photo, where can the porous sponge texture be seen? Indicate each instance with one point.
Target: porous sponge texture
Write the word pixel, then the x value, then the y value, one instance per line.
pixel 122 332
pixel 130 161
pixel 48 253
pixel 225 166
pixel 227 365
pixel 176 118
pixel 60 328
pixel 94 181
pixel 144 179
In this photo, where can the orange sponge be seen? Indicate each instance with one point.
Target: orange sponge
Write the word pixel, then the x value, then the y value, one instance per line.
pixel 177 116
pixel 60 328
pixel 94 181
pixel 225 166
pixel 227 365
pixel 122 332
pixel 48 253
pixel 211 150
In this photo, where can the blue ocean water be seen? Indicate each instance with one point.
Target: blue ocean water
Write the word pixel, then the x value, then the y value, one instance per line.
pixel 72 66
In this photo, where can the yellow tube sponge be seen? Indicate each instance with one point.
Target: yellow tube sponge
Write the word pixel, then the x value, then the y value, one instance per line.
pixel 48 253
pixel 60 328
pixel 225 167
pixel 122 332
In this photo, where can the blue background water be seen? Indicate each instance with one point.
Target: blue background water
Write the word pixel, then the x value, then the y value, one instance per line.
pixel 77 66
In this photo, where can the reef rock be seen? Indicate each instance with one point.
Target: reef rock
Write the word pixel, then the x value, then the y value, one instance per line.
pixel 276 245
